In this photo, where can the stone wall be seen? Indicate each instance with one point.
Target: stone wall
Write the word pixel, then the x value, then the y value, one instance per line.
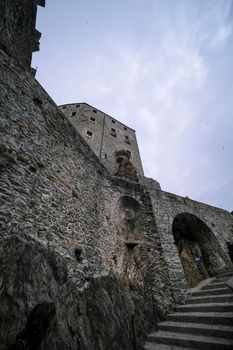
pixel 219 222
pixel 18 36
pixel 61 240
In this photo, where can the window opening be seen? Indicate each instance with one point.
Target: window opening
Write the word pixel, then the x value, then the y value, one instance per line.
pixel 127 139
pixel 113 132
pixel 113 121
pixel 92 119
pixel 94 111
pixel 125 128
pixel 77 106
pixel 89 134
pixel 73 113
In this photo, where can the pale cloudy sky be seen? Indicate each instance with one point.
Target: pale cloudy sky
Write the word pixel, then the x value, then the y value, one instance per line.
pixel 163 67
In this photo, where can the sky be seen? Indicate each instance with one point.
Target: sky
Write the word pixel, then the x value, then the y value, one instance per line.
pixel 162 67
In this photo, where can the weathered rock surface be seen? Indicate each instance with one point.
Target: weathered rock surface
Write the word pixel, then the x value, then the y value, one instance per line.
pixel 104 315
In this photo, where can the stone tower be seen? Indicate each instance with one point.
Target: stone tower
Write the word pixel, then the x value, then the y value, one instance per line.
pixel 104 134
pixel 19 38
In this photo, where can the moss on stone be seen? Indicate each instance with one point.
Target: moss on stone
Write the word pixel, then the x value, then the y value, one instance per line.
pixel 40 165
pixel 74 193
pixel 2 149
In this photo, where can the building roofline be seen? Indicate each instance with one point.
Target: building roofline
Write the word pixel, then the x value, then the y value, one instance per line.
pixel 40 3
pixel 85 103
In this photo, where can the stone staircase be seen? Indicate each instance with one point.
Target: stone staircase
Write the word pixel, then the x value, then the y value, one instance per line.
pixel 204 322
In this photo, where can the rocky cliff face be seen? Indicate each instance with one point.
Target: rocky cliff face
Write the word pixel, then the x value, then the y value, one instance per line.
pixel 104 316
pixel 69 238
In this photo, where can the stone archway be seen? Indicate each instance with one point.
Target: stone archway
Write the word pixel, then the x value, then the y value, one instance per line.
pixel 198 248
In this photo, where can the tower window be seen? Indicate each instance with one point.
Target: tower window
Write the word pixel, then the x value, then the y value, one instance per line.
pixel 73 113
pixel 64 107
pixel 94 111
pixel 113 121
pixel 113 132
pixel 77 106
pixel 89 134
pixel 92 119
pixel 127 139
pixel 105 156
pixel 125 128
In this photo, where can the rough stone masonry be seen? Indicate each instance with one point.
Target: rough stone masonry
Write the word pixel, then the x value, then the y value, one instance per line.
pixel 96 258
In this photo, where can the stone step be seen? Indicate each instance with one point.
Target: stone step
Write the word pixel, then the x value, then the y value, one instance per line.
pixel 214 286
pixel 219 280
pixel 217 291
pixel 193 341
pixel 224 298
pixel 156 346
pixel 206 307
pixel 225 274
pixel 221 331
pixel 214 318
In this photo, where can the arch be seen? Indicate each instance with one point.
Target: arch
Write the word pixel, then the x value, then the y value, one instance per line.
pixel 128 202
pixel 198 248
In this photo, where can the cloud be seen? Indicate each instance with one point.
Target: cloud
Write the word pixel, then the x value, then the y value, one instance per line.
pixel 221 36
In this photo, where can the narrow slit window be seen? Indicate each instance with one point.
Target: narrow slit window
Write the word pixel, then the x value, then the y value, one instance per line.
pixel 113 132
pixel 73 114
pixel 125 128
pixel 64 107
pixel 105 156
pixel 89 134
pixel 113 121
pixel 127 139
pixel 94 111
pixel 92 119
pixel 77 106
